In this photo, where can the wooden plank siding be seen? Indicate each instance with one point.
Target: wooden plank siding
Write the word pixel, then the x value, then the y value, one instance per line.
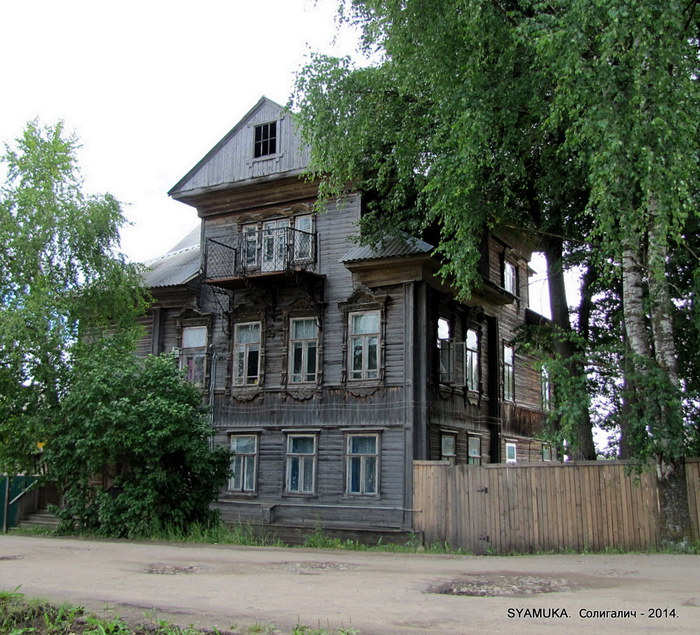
pixel 546 507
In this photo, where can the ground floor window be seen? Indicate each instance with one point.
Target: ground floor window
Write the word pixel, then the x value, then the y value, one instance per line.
pixel 474 451
pixel 301 463
pixel 244 448
pixel 362 459
pixel 511 453
pixel 448 448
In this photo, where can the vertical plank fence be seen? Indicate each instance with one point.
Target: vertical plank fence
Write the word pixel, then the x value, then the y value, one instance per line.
pixel 540 507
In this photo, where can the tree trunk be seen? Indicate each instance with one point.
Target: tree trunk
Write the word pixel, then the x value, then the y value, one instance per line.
pixel 674 512
pixel 660 296
pixel 581 446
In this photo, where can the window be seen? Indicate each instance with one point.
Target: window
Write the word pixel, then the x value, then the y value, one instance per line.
pixel 511 453
pixel 303 350
pixel 510 278
pixel 274 245
pixel 193 353
pixel 244 463
pixel 246 354
pixel 545 389
pixel 508 373
pixel 303 238
pixel 362 464
pixel 474 451
pixel 301 464
pixel 265 139
pixel 448 447
pixel 364 345
pixel 471 361
pixel 250 247
pixel 546 452
pixel 445 352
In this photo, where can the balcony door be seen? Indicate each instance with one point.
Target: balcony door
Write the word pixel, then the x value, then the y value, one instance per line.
pixel 274 244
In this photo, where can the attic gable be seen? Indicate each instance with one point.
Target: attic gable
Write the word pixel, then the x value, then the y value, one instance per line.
pixel 262 144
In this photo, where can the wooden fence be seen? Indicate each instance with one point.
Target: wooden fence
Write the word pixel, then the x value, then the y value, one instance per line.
pixel 540 507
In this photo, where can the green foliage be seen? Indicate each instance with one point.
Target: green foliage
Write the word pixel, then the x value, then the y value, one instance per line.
pixel 131 448
pixel 60 278
pixel 574 120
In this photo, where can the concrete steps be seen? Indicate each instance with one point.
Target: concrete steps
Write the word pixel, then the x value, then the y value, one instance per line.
pixel 41 519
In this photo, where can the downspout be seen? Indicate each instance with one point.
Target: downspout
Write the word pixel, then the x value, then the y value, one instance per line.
pixel 212 384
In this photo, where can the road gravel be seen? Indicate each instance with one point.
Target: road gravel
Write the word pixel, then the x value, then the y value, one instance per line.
pixel 233 588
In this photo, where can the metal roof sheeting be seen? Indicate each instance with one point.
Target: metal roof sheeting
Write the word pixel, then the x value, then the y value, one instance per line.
pixel 179 266
pixel 393 247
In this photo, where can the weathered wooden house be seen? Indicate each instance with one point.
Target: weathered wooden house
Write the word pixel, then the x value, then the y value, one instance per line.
pixel 331 367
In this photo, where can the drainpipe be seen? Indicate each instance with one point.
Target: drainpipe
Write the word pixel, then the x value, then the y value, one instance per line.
pixel 212 384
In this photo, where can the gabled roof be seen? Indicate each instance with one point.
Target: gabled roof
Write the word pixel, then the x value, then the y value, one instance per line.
pixel 230 162
pixel 177 267
pixel 392 247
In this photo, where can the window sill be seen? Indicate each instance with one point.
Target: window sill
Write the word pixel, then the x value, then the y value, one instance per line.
pixel 230 495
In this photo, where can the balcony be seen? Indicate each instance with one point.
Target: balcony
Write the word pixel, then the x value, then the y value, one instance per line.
pixel 266 255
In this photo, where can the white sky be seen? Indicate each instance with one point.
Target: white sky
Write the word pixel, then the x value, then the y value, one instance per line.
pixel 149 86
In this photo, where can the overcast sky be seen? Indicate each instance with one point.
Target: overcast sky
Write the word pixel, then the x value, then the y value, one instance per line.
pixel 149 86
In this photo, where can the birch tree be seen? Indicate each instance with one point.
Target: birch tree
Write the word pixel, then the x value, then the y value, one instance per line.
pixel 60 277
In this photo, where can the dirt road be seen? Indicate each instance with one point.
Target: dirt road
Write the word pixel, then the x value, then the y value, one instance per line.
pixel 232 587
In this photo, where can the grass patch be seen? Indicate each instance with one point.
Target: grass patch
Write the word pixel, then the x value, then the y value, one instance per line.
pixel 22 616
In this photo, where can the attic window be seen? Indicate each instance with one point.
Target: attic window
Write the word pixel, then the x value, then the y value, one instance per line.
pixel 265 140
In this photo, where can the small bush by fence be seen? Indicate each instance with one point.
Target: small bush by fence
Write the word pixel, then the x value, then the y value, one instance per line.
pixel 541 507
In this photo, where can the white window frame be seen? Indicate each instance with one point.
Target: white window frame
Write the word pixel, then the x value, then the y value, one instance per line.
pixel 508 373
pixel 250 248
pixel 193 359
pixel 448 447
pixel 363 464
pixel 446 352
pixel 274 245
pixel 303 238
pixel 365 372
pixel 246 481
pixel 511 452
pixel 242 350
pixel 297 463
pixel 471 361
pixel 304 345
pixel 510 277
pixel 545 389
pixel 474 450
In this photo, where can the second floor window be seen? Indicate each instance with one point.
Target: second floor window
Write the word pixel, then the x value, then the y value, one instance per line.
pixel 303 353
pixel 508 373
pixel 265 140
pixel 246 354
pixel 193 353
pixel 445 352
pixel 471 361
pixel 510 278
pixel 364 345
pixel 545 389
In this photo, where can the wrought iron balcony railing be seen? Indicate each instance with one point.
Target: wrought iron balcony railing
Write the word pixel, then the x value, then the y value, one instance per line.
pixel 254 251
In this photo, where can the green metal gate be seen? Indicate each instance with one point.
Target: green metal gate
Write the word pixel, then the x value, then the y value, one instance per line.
pixel 10 496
